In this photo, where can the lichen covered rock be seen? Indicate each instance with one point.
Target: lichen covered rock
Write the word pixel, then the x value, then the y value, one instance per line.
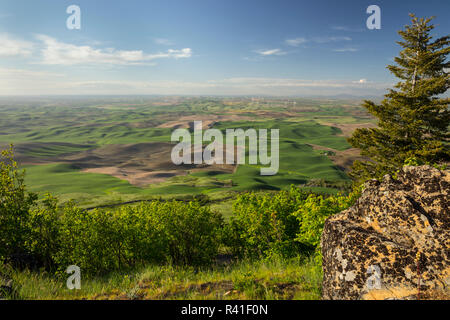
pixel 394 243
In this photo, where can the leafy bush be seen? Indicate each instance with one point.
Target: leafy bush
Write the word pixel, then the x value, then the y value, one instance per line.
pixel 288 223
pixel 15 204
pixel 314 211
pixel 101 241
pixel 264 225
pixel 89 240
pixel 44 227
pixel 192 233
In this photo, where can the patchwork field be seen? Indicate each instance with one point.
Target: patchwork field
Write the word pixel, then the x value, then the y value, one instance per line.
pixel 110 150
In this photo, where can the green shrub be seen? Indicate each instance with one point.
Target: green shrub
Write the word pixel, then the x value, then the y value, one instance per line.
pixel 15 204
pixel 264 224
pixel 288 223
pixel 44 227
pixel 100 241
pixel 89 240
pixel 192 232
pixel 314 211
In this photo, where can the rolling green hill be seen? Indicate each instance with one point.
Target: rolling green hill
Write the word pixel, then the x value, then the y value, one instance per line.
pixel 52 137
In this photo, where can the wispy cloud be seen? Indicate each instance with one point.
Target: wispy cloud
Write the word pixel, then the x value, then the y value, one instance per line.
pixel 55 52
pixel 345 50
pixel 330 39
pixel 287 82
pixel 14 81
pixel 163 41
pixel 37 83
pixel 271 52
pixel 13 73
pixel 347 29
pixel 11 47
pixel 295 42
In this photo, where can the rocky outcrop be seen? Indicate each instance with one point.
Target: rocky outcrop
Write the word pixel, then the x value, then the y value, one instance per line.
pixel 394 243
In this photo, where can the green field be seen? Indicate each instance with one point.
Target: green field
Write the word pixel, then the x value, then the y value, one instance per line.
pixel 45 133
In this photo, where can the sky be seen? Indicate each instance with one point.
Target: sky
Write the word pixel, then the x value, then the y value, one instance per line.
pixel 204 47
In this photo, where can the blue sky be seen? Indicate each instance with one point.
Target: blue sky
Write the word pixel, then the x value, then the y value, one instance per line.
pixel 224 47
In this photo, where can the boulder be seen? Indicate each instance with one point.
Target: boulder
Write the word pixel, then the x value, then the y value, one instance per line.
pixel 394 243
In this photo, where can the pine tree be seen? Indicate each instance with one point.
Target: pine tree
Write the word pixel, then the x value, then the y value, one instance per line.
pixel 414 117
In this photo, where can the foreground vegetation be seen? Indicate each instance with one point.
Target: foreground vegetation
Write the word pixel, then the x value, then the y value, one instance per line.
pixel 275 278
pixel 265 232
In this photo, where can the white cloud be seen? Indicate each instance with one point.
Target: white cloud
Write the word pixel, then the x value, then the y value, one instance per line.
pixel 10 47
pixel 281 82
pixel 295 42
pixel 12 73
pixel 340 28
pixel 330 39
pixel 29 82
pixel 42 83
pixel 163 41
pixel 345 50
pixel 347 29
pixel 271 52
pixel 60 53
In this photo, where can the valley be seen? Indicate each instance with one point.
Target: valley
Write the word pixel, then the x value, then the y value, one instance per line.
pixel 108 150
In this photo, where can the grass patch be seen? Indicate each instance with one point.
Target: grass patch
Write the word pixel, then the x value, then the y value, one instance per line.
pixel 272 279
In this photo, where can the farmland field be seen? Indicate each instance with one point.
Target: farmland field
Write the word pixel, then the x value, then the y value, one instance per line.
pixel 100 151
